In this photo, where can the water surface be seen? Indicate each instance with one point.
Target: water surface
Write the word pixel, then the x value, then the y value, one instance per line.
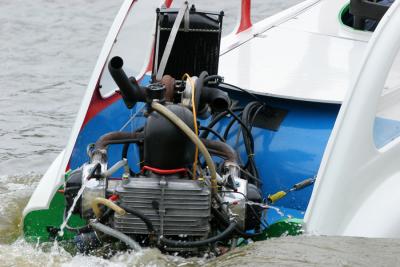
pixel 48 49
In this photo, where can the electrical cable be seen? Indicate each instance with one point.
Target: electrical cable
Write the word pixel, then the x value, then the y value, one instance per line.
pixel 242 90
pixel 248 116
pixel 196 130
pixel 217 118
pixel 185 244
pixel 229 126
pixel 214 132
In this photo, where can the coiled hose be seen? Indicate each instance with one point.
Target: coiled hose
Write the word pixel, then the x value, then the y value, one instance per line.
pixel 193 137
pixel 117 234
pixel 190 244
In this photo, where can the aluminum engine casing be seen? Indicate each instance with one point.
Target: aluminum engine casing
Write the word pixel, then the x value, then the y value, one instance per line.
pixel 187 205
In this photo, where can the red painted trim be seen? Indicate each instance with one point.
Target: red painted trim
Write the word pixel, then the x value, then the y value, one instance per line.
pixel 168 3
pixel 149 67
pixel 245 19
pixel 98 103
pixel 161 171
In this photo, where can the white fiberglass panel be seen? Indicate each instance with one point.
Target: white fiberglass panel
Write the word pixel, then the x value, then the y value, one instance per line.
pixel 387 120
pixel 324 18
pixel 133 43
pixel 356 190
pixel 294 64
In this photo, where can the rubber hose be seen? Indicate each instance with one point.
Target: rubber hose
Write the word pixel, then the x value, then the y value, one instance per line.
pixel 188 244
pixel 224 149
pixel 193 137
pixel 243 234
pixel 149 224
pixel 217 118
pixel 117 234
pixel 99 200
pixel 104 140
pixel 214 132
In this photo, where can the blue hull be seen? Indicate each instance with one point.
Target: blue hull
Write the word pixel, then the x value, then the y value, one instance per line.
pixel 284 157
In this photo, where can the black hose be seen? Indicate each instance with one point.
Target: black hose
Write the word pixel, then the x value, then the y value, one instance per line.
pixel 229 126
pixel 248 116
pixel 225 221
pixel 190 244
pixel 217 99
pixel 249 175
pixel 222 149
pixel 149 224
pixel 214 132
pixel 217 118
pixel 117 138
pixel 240 89
pixel 130 90
pixel 244 128
pixel 213 77
pixel 125 141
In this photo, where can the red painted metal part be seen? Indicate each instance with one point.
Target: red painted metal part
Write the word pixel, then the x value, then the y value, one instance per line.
pixel 113 198
pixel 165 172
pixel 245 16
pixel 98 103
pixel 168 3
pixel 149 67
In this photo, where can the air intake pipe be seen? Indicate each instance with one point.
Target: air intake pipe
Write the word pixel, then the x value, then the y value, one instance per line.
pixel 130 90
pixel 217 99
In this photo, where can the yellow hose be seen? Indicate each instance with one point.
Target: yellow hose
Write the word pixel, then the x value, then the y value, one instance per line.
pixel 196 130
pixel 193 137
pixel 108 203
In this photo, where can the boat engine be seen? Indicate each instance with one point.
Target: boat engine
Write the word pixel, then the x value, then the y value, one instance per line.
pixel 192 193
pixel 176 202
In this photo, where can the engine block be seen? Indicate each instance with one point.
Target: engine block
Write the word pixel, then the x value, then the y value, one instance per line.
pixel 176 207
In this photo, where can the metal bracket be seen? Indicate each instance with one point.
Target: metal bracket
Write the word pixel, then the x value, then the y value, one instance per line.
pixel 171 39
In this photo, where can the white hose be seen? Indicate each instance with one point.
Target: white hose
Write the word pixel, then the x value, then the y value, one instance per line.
pixel 193 137
pixel 117 234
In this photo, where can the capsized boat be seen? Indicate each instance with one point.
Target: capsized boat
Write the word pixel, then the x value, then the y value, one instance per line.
pixel 194 143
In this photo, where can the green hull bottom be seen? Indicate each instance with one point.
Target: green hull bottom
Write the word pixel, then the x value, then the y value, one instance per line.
pixel 42 225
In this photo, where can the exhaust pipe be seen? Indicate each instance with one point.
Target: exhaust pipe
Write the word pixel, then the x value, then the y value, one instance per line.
pixel 130 90
pixel 218 100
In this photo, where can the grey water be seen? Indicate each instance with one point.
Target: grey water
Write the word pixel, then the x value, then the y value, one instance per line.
pixel 48 49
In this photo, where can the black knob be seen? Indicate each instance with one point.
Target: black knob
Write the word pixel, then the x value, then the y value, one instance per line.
pixel 156 91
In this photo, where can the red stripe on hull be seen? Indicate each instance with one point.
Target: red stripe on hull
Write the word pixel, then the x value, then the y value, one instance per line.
pixel 245 20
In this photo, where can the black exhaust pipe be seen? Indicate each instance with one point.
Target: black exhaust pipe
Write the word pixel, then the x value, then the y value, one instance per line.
pixel 130 90
pixel 218 100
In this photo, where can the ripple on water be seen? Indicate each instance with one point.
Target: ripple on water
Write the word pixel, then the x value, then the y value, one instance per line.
pixel 48 51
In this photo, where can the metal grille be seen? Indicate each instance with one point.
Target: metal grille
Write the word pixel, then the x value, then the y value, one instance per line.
pixel 186 204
